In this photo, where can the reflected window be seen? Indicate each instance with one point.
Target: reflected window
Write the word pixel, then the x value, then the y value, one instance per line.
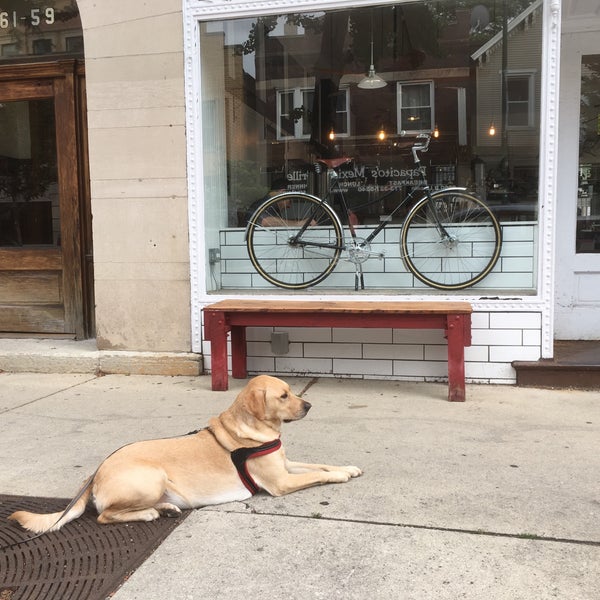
pixel 415 106
pixel 520 99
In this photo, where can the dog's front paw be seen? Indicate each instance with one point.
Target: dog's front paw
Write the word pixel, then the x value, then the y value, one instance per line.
pixel 338 476
pixel 353 471
pixel 167 509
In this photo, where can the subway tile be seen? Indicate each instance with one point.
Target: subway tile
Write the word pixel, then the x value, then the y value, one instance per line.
pixel 436 353
pixel 393 351
pixel 532 337
pixel 364 366
pixel 365 336
pixel 508 353
pixel 310 366
pixel 480 320
pixel 524 320
pixel 261 364
pixel 332 350
pixel 420 368
pixel 491 372
pixel 477 353
pixel 309 334
pixel 497 337
pixel 419 336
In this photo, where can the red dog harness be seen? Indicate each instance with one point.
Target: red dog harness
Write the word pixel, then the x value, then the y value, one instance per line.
pixel 242 455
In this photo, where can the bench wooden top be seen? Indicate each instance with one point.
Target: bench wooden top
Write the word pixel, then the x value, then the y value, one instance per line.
pixel 329 306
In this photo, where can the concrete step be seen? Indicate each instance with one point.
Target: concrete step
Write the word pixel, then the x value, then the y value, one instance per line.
pixel 576 364
pixel 71 356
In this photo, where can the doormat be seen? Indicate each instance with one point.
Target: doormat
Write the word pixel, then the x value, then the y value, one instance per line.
pixel 82 561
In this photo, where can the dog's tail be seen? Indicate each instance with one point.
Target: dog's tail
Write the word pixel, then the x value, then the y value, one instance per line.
pixel 42 523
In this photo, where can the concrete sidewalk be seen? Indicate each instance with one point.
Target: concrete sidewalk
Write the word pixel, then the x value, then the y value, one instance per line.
pixel 495 498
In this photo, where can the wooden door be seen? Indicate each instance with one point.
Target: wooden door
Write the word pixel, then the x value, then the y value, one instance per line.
pixel 43 208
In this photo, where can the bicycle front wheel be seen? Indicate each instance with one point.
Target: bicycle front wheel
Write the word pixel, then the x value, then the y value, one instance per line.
pixel 294 240
pixel 451 240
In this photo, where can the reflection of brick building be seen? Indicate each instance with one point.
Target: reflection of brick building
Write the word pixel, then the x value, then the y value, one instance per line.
pixel 293 61
pixel 31 30
pixel 510 155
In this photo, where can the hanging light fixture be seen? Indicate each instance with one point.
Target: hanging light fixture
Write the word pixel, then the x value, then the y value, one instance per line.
pixel 372 81
pixel 492 129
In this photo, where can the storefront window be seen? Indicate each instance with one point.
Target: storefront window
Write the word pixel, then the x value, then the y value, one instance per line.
pixel 281 92
pixel 588 201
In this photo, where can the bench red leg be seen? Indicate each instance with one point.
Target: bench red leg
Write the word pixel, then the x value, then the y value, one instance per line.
pixel 458 338
pixel 215 329
pixel 238 352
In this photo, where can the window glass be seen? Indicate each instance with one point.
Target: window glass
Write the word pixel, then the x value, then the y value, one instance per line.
pixel 40 29
pixel 416 112
pixel 588 200
pixel 279 93
pixel 29 195
pixel 519 99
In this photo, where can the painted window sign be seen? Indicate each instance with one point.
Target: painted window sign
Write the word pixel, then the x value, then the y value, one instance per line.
pixel 44 30
pixel 34 17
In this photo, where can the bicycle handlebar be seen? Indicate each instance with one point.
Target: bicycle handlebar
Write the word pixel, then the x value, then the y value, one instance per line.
pixel 421 145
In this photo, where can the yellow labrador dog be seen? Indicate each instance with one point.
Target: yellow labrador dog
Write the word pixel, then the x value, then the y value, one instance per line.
pixel 236 455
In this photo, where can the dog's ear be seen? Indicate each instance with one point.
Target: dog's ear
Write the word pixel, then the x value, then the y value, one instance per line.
pixel 256 403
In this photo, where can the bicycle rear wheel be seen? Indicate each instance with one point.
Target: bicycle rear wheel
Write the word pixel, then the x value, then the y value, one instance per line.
pixel 294 240
pixel 451 241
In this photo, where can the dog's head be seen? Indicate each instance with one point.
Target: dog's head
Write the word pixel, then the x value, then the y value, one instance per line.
pixel 270 399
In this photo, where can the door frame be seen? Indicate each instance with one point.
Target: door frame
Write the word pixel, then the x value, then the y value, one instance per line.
pixel 64 81
pixel 574 318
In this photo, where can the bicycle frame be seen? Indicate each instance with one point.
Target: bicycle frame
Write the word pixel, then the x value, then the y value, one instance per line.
pixel 417 194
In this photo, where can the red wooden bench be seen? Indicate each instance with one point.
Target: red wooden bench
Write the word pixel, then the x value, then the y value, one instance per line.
pixel 235 315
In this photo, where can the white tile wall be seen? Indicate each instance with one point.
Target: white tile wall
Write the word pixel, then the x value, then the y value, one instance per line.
pixel 403 354
pixel 514 270
pixel 498 338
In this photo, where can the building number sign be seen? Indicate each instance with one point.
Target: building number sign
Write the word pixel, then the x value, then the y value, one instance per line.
pixel 35 17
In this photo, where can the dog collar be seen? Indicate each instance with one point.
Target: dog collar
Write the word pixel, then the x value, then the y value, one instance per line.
pixel 242 455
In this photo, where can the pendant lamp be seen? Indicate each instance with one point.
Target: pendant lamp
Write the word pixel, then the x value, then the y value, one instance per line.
pixel 372 81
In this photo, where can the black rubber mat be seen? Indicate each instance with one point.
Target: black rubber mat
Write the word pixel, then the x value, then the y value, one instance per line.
pixel 82 561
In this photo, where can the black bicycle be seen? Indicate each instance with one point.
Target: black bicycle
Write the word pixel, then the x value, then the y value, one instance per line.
pixel 450 239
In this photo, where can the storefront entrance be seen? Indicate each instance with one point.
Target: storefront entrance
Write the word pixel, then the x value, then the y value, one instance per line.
pixel 43 244
pixel 45 218
pixel 577 308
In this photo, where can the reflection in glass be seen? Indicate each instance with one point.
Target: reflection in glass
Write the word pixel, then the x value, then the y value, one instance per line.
pixel 40 30
pixel 280 91
pixel 29 202
pixel 588 200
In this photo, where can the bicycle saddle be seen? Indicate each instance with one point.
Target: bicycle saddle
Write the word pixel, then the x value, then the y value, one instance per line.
pixel 334 163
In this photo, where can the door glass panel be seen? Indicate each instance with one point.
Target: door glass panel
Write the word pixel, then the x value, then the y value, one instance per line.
pixel 588 200
pixel 29 201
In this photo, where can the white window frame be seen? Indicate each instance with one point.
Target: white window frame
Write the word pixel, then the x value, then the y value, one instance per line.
pixel 298 95
pixel 400 85
pixel 530 76
pixel 298 101
pixel 197 11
